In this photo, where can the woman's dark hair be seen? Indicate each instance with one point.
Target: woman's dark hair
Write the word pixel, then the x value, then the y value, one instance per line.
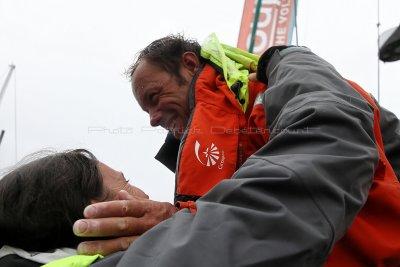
pixel 40 200
pixel 166 53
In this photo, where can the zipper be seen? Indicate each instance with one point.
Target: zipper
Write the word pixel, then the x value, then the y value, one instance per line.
pixel 240 156
pixel 192 100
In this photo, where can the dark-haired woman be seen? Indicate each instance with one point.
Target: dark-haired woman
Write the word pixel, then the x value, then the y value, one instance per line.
pixel 40 200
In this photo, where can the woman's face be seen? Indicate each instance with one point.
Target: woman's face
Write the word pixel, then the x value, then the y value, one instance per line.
pixel 114 181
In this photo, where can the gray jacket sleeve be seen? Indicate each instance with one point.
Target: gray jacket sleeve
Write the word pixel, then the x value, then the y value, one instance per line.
pixel 295 197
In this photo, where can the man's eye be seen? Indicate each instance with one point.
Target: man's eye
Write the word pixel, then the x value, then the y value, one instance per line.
pixel 153 98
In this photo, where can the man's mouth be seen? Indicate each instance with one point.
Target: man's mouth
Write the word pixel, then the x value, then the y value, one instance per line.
pixel 170 124
pixel 172 127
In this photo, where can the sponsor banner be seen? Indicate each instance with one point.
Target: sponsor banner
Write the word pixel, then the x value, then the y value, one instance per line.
pixel 274 26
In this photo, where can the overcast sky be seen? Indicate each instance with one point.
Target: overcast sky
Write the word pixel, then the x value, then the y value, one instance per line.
pixel 71 56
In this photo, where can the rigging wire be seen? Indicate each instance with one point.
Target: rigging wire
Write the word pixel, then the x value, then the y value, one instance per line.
pixel 295 22
pixel 15 116
pixel 254 29
pixel 378 24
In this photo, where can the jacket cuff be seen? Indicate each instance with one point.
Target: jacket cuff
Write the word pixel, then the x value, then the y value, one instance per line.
pixel 263 62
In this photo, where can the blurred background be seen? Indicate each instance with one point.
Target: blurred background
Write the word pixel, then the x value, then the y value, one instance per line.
pixel 69 90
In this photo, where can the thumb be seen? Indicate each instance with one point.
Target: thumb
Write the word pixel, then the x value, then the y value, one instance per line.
pixel 253 77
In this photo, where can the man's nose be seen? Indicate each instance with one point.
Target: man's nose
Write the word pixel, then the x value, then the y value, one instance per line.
pixel 155 117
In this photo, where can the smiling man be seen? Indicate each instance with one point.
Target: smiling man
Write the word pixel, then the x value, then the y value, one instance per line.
pixel 160 84
pixel 298 168
pixel 163 96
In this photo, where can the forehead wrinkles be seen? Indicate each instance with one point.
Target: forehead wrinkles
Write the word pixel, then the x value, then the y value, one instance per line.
pixel 140 84
pixel 148 77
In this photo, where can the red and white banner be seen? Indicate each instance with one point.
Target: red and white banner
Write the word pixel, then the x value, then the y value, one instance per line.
pixel 274 26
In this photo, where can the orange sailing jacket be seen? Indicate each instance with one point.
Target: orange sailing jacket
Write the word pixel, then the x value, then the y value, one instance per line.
pixel 220 136
pixel 311 182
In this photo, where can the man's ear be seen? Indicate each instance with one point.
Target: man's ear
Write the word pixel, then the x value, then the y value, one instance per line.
pixel 191 62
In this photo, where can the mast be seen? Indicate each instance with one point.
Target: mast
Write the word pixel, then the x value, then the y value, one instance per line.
pixel 6 81
pixel 3 90
pixel 1 135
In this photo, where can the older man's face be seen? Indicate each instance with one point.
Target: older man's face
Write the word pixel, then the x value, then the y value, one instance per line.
pixel 161 95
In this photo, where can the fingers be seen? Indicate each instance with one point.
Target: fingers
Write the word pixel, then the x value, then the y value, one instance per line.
pixel 105 247
pixel 113 226
pixel 117 208
pixel 123 195
pixel 122 217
